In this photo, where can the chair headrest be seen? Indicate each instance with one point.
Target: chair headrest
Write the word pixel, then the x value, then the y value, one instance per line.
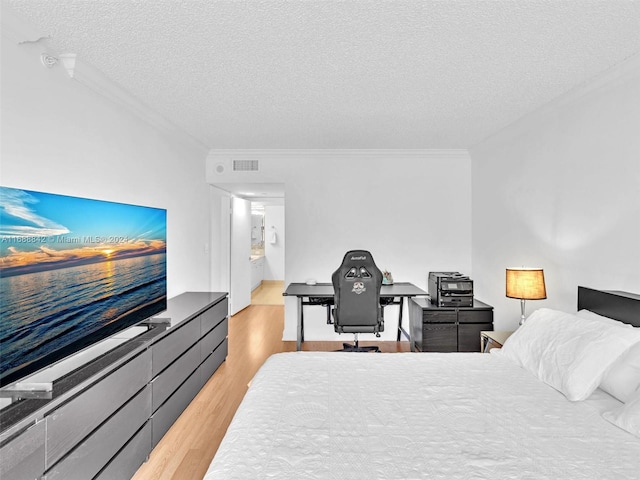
pixel 357 257
pixel 358 264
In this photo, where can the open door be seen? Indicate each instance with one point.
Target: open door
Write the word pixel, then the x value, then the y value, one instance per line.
pixel 240 281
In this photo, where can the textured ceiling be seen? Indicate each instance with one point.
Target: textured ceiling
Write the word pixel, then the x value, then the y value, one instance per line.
pixel 342 74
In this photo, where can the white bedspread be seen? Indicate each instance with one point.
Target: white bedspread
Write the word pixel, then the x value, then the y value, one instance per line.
pixel 341 416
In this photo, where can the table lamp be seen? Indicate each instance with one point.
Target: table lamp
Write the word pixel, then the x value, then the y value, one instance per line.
pixel 525 284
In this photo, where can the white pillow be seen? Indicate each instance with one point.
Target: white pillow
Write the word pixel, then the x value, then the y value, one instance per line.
pixel 623 377
pixel 627 417
pixel 570 354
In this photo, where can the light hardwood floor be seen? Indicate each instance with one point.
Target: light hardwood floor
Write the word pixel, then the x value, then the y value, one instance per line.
pixel 268 293
pixel 255 333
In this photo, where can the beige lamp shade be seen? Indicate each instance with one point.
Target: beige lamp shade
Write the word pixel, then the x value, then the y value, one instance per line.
pixel 526 283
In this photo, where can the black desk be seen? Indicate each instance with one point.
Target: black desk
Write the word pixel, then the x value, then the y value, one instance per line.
pixel 322 294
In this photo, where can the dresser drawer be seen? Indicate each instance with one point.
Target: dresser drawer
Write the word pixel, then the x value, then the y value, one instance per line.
pixel 439 337
pixel 448 316
pixel 174 344
pixel 211 364
pixel 468 335
pixel 214 338
pixel 170 379
pixel 475 316
pixel 71 423
pixel 214 315
pixel 24 456
pixel 135 453
pixel 167 414
pixel 98 449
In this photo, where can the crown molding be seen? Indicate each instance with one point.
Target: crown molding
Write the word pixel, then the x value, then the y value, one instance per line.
pixel 94 79
pixel 19 31
pixel 623 72
pixel 258 154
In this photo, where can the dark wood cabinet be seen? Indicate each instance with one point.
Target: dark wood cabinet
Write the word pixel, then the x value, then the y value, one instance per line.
pixel 448 329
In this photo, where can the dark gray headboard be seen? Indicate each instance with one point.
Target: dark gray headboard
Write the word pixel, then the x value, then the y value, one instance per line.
pixel 622 306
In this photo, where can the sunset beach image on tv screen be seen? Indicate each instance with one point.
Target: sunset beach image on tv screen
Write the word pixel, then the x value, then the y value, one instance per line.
pixel 73 271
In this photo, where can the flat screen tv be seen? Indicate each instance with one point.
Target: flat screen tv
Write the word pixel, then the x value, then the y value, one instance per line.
pixel 73 271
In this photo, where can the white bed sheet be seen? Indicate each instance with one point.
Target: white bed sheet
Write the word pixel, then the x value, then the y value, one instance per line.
pixel 313 415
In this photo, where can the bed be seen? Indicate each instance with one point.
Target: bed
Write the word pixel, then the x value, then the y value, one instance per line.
pixel 539 408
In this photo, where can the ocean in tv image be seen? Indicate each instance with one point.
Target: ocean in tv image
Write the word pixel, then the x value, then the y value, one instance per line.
pixel 73 271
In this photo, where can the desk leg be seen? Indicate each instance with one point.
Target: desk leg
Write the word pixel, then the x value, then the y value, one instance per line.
pixel 300 338
pixel 400 319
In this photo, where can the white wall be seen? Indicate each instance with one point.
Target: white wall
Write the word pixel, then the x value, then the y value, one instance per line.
pixel 560 189
pixel 60 136
pixel 411 209
pixel 220 245
pixel 274 252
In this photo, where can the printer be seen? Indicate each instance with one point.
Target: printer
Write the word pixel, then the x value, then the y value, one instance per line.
pixel 450 289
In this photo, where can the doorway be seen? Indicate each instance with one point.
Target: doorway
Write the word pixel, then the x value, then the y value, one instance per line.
pixel 268 258
pixel 267 252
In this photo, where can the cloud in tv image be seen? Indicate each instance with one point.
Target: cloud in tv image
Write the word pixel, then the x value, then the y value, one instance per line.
pixel 73 271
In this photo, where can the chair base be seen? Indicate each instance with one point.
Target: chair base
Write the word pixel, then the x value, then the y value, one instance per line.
pixel 354 347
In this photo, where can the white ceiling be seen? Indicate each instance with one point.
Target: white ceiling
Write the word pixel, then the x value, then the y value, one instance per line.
pixel 317 74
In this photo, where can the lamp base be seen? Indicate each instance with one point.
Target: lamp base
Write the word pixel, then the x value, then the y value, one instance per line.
pixel 522 315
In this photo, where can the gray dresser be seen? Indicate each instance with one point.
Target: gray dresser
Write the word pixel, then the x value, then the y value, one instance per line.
pixel 103 420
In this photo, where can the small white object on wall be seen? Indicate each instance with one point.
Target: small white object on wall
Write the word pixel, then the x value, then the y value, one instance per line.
pixel 68 61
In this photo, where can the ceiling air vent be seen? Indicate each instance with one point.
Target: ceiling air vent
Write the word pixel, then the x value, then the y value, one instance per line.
pixel 245 165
